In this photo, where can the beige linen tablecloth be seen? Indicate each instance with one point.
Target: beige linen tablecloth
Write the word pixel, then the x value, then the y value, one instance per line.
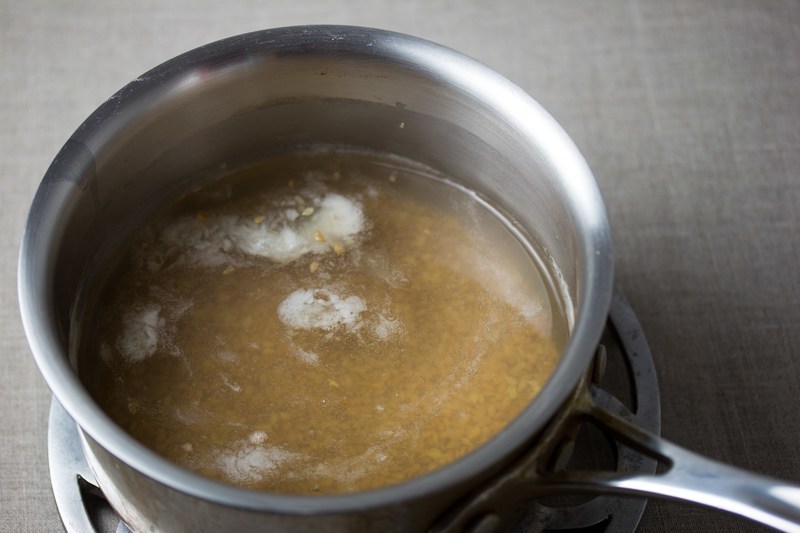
pixel 688 112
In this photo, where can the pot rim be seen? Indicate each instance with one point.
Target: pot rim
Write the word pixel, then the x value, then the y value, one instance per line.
pixel 594 286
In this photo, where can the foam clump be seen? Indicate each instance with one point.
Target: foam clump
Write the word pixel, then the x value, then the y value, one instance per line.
pixel 320 309
pixel 306 355
pixel 140 333
pixel 334 219
pixel 200 242
pixel 386 327
pixel 289 235
pixel 249 462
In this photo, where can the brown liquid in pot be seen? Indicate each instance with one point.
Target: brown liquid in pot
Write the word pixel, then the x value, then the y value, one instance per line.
pixel 321 323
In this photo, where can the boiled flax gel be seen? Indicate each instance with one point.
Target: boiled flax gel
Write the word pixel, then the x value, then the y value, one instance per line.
pixel 352 327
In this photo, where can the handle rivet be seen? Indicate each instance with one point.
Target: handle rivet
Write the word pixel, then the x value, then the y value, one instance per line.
pixel 600 359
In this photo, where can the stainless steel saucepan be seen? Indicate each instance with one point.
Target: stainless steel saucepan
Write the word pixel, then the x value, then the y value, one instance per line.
pixel 267 92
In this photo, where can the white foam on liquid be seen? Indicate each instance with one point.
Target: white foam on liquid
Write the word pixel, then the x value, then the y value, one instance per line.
pixel 386 327
pixel 140 334
pixel 320 309
pixel 308 356
pixel 335 217
pixel 248 460
pixel 258 437
pixel 211 241
pixel 235 387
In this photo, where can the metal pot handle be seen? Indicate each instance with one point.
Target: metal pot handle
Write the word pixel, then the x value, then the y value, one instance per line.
pixel 685 476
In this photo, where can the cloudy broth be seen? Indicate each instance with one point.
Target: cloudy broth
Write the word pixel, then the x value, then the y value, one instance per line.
pixel 321 322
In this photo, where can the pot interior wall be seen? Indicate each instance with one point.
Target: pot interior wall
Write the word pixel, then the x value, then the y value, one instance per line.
pixel 248 97
pixel 169 139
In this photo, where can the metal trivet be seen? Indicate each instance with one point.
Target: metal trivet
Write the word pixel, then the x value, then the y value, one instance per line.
pixel 625 375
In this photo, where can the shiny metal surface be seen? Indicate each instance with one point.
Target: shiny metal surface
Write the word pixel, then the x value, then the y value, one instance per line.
pixel 248 96
pixel 245 97
pixel 690 477
pixel 684 475
pixel 72 480
pixel 67 466
pixel 687 476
